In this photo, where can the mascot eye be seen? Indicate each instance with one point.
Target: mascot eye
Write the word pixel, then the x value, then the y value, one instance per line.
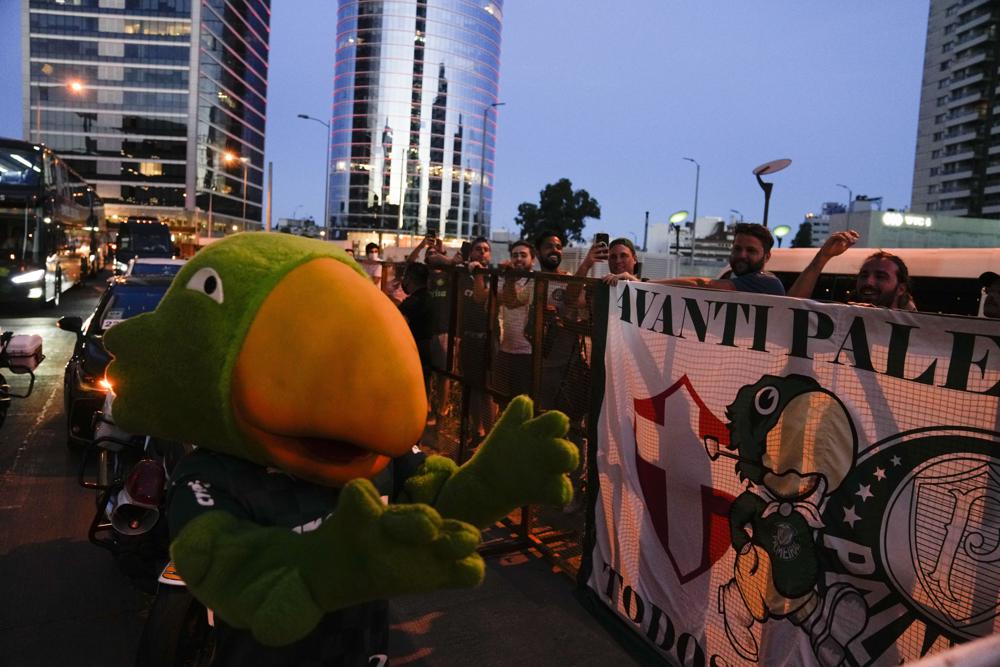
pixel 766 400
pixel 208 282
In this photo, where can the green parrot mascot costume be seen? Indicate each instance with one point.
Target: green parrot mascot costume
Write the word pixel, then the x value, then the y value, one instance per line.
pixel 301 387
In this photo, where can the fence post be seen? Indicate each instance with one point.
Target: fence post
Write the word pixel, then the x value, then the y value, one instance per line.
pixel 598 344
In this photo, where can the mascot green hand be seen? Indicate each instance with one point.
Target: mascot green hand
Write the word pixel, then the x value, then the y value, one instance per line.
pixel 523 461
pixel 301 386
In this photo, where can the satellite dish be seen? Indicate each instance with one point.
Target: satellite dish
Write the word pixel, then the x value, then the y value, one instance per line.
pixel 771 167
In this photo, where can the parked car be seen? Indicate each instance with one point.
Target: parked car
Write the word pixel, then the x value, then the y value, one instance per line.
pixel 84 383
pixel 154 266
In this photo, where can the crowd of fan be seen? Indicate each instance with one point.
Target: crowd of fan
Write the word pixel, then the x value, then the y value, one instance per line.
pixel 422 288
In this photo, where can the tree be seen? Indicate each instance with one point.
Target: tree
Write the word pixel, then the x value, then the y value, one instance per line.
pixel 559 208
pixel 803 237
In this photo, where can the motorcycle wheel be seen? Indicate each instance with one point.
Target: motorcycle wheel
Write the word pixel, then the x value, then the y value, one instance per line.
pixel 176 632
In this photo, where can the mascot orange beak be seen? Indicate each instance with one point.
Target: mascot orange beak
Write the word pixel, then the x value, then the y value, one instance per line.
pixel 328 385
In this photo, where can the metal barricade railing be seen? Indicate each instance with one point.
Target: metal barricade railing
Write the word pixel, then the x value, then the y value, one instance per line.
pixel 471 379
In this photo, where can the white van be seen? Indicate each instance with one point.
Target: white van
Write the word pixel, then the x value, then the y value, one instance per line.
pixel 945 280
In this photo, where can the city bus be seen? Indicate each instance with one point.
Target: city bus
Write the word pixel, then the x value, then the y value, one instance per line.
pixel 52 228
pixel 945 280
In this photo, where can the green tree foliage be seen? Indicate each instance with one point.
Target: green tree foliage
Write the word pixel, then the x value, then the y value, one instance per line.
pixel 803 237
pixel 560 208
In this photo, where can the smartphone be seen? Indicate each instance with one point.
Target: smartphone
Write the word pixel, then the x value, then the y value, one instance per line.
pixel 432 233
pixel 602 237
pixel 466 249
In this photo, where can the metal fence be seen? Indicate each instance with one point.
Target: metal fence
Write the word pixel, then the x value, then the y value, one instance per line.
pixel 486 351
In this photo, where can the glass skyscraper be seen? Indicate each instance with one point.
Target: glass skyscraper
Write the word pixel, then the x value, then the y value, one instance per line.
pixel 414 115
pixel 160 103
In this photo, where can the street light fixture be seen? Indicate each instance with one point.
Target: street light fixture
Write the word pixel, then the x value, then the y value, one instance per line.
pixel 482 174
pixel 326 186
pixel 694 218
pixel 75 86
pixel 229 158
pixel 850 203
pixel 769 168
pixel 733 210
pixel 780 232
pixel 676 219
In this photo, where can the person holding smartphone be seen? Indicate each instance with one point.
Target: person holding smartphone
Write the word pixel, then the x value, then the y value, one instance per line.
pixel 622 262
pixel 598 253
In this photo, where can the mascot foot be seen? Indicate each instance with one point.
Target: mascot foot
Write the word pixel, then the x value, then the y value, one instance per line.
pixel 738 620
pixel 842 617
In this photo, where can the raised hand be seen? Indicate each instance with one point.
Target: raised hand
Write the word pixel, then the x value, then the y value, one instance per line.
pixel 837 243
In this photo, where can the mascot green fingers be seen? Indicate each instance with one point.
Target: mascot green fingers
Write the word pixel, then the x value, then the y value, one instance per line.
pixel 301 387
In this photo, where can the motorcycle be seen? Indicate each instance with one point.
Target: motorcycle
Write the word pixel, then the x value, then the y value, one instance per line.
pixel 21 355
pixel 131 481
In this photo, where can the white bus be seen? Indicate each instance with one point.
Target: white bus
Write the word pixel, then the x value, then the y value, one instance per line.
pixel 945 280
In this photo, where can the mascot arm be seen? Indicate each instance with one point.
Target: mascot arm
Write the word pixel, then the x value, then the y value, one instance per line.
pixel 523 461
pixel 742 513
pixel 278 583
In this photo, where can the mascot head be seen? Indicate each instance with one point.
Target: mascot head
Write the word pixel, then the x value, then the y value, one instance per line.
pixel 276 349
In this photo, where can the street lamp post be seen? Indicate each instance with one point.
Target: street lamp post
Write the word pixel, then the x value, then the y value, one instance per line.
pixel 676 219
pixel 780 232
pixel 694 219
pixel 210 198
pixel 232 157
pixel 850 203
pixel 768 168
pixel 482 173
pixel 326 186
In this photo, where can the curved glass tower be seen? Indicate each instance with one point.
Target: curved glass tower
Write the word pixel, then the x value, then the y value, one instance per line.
pixel 414 115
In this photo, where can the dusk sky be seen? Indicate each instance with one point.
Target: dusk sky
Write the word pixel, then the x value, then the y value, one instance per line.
pixel 614 95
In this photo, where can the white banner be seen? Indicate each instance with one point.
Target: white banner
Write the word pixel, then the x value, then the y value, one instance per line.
pixel 784 482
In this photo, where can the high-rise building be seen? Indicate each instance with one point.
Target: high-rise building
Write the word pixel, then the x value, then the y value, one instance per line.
pixel 161 104
pixel 414 115
pixel 957 167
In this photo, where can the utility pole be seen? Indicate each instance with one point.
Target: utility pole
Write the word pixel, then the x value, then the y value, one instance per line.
pixel 645 232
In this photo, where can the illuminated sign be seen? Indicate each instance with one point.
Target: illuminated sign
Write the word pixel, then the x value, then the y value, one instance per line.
pixel 896 219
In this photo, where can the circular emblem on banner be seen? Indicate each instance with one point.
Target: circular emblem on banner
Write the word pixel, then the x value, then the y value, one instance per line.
pixel 927 503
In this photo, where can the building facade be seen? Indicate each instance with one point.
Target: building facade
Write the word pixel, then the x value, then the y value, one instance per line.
pixel 909 229
pixel 414 117
pixel 160 103
pixel 957 166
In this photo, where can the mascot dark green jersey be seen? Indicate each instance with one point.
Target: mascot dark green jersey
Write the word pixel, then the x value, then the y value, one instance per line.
pixel 300 385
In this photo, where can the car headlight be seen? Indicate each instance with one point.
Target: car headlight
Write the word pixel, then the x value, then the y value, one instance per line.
pixel 29 277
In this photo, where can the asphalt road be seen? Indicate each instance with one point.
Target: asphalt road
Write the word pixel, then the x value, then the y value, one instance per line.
pixel 63 600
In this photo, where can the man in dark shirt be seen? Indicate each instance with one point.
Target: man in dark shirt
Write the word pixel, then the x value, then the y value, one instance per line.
pixel 751 249
pixel 418 311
